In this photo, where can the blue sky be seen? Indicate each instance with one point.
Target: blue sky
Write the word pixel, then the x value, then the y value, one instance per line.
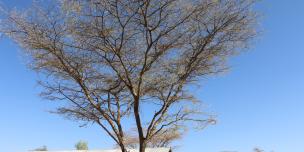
pixel 259 103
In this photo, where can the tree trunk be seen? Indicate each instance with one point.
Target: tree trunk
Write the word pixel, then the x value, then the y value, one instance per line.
pixel 142 142
pixel 123 148
pixel 142 146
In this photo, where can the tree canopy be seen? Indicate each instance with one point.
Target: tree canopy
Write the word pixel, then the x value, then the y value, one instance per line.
pixel 113 62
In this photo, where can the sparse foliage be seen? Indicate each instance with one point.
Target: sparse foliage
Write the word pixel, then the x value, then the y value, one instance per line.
pixel 112 60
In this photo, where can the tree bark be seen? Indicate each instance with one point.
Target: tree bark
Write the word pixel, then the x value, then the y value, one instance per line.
pixel 123 148
pixel 142 140
pixel 142 145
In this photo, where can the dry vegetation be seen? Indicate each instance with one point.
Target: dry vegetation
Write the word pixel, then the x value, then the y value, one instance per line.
pixel 110 61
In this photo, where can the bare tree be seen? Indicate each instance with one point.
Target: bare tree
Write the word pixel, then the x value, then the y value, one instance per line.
pixel 113 60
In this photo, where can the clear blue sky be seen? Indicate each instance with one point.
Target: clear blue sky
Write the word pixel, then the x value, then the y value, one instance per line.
pixel 260 102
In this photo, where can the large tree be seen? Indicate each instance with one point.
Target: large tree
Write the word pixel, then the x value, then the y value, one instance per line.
pixel 114 62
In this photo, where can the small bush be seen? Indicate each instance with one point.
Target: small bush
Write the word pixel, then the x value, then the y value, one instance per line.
pixel 43 148
pixel 82 145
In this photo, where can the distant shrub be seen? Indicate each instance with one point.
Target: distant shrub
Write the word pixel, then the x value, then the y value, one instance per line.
pixel 43 148
pixel 82 145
